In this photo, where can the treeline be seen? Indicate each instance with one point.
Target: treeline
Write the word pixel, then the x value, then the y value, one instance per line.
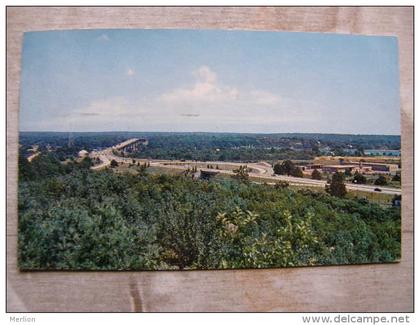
pixel 210 146
pixel 48 166
pixel 75 218
pixel 255 147
pixel 215 154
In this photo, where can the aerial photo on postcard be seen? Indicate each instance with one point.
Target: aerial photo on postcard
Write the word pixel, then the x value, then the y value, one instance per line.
pixel 207 149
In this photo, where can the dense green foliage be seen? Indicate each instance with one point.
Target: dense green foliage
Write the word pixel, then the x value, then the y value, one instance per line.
pixel 337 187
pixel 359 178
pixel 241 174
pixel 288 168
pixel 396 177
pixel 381 180
pixel 73 218
pixel 316 174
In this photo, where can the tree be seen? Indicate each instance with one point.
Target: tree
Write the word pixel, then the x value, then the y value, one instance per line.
pixel 114 163
pixel 316 174
pixel 297 172
pixel 347 172
pixel 142 168
pixel 396 201
pixel 26 171
pixel 288 168
pixel 359 178
pixel 337 186
pixel 241 174
pixel 86 163
pixel 396 178
pixel 381 180
pixel 285 168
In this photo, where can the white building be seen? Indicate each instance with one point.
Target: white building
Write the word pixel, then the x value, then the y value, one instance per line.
pixel 83 153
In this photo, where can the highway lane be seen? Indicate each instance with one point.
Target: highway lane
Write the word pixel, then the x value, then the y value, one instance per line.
pixel 105 157
pixel 261 170
pixel 349 186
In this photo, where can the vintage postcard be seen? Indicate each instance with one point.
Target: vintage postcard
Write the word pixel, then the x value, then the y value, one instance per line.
pixel 208 149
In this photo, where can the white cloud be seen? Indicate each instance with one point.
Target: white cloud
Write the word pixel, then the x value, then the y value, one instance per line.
pixel 207 89
pixel 206 104
pixel 103 38
pixel 140 114
pixel 205 74
pixel 130 72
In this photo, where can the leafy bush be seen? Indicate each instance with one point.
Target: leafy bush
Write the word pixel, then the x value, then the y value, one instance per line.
pixel 381 180
pixel 337 187
pixel 316 174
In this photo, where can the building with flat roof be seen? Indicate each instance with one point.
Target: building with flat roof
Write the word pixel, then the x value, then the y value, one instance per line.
pixel 379 167
pixel 338 168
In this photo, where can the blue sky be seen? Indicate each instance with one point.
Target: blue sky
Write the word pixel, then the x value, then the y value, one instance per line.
pixel 213 81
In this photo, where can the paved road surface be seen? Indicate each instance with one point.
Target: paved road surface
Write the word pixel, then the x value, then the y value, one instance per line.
pixel 261 170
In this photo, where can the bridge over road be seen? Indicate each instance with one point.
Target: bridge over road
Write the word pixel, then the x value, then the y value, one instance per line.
pixel 107 155
pixel 130 144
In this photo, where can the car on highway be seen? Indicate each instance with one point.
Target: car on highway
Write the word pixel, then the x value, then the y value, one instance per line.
pixel 377 189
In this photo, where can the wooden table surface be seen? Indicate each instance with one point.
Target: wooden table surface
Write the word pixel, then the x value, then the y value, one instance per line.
pixel 353 288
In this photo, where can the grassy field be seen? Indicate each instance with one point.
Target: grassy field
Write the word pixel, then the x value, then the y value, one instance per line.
pixel 380 198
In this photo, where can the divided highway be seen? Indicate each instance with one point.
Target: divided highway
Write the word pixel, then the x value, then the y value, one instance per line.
pixel 262 170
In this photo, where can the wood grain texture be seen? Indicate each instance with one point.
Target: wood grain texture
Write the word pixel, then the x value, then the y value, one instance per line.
pixel 384 287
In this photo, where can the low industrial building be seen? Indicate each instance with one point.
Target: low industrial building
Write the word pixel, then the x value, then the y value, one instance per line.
pixel 362 168
pixel 380 167
pixel 338 168
pixel 366 168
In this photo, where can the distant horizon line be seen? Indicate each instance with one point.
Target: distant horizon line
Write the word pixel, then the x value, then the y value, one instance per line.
pixel 217 132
